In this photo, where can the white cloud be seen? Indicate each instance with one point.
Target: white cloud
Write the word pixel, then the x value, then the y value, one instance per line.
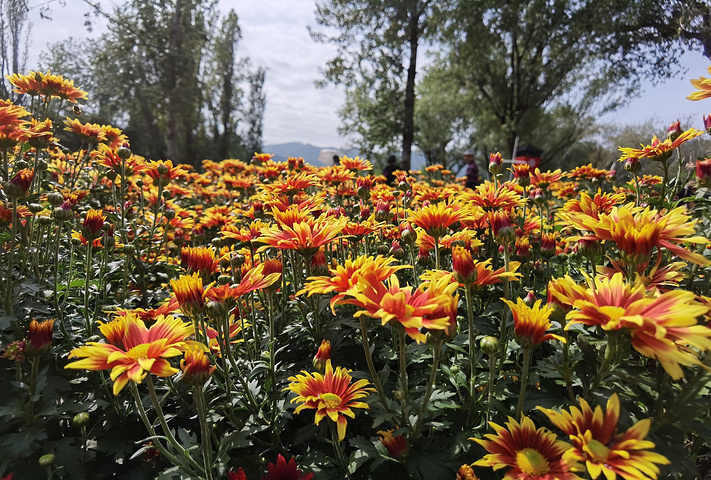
pixel 274 36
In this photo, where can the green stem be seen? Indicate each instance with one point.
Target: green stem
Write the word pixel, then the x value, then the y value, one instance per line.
pixel 403 374
pixel 504 339
pixel 164 425
pixel 371 367
pixel 472 340
pixel 527 354
pixel 337 448
pixel 87 279
pixel 436 355
pixel 7 305
pixel 206 444
pixel 612 338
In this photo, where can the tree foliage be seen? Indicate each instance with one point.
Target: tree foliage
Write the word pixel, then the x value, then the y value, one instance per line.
pixel 378 42
pixel 14 34
pixel 168 73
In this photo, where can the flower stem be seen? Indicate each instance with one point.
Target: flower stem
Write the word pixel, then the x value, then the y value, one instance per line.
pixel 472 340
pixel 403 373
pixel 371 367
pixel 337 448
pixel 527 354
pixel 199 395
pixel 436 354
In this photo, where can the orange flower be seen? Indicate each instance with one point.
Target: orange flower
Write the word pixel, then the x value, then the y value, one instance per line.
pixel 355 164
pixel 658 150
pixel 93 225
pixel 89 132
pixel 11 115
pixel 292 184
pixel 531 323
pixel 304 237
pixel 322 355
pixel 46 85
pixel 254 279
pixel 344 279
pixel 135 350
pixel 435 219
pixel 396 445
pixel 164 171
pixel 597 442
pixel 198 259
pixel 196 367
pixel 704 87
pixel 412 310
pixel 545 179
pixel 528 453
pixel 466 472
pixel 584 212
pixel 188 290
pixel 662 327
pixel 331 394
pixel 492 197
pixel 39 337
pixel 636 231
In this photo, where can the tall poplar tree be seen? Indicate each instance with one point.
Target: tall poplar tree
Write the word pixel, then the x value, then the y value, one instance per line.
pixel 378 43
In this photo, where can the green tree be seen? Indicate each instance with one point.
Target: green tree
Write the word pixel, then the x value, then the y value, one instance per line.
pixel 168 73
pixel 378 43
pixel 526 60
pixel 15 30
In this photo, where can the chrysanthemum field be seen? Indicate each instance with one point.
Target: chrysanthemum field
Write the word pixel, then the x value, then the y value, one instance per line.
pixel 275 320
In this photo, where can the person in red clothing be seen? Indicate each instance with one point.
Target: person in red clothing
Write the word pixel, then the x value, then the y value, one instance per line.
pixel 472 171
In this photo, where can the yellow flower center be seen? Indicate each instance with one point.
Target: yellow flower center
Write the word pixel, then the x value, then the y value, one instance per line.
pixel 531 462
pixel 331 400
pixel 597 451
pixel 139 351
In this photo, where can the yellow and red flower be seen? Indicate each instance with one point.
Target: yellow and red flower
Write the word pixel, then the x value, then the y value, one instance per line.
pixel 322 355
pixel 397 445
pixel 39 337
pixel 531 323
pixel 188 290
pixel 46 85
pixel 604 450
pixel 196 366
pixel 435 219
pixel 703 86
pixel 134 350
pixel 529 454
pixel 332 395
pixel 304 237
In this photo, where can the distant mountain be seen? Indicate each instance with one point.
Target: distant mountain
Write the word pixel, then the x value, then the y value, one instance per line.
pixel 310 153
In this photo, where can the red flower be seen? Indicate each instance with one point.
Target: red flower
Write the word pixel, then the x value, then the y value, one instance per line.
pixel 237 476
pixel 285 471
pixel 39 337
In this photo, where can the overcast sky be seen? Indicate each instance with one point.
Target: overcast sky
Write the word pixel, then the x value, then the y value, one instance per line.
pixel 274 36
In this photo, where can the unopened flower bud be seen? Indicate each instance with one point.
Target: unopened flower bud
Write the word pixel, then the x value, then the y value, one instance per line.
pixel 123 153
pixel 80 419
pixel 489 345
pixel 632 165
pixel 169 213
pixel 674 131
pixel 55 198
pixel 224 279
pixel 46 460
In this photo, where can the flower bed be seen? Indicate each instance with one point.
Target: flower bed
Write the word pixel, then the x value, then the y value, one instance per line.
pixel 277 320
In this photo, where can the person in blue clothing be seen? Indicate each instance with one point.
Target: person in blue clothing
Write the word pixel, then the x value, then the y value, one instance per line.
pixel 472 171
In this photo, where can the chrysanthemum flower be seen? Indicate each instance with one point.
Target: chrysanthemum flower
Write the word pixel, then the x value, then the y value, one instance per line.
pixel 344 279
pixel 435 219
pixel 356 164
pixel 20 183
pixel 532 323
pixel 196 366
pixel 93 225
pixel 164 171
pixel 292 184
pixel 254 279
pixel 412 310
pixel 543 180
pixel 46 85
pixel 493 197
pixel 704 87
pixel 588 172
pixel 285 471
pixel 39 337
pixel 188 290
pixel 636 231
pixel 134 350
pixel 529 454
pixel 198 259
pixel 658 149
pixel 583 212
pixel 89 132
pixel 661 327
pixel 396 445
pixel 11 115
pixel 304 237
pixel 604 450
pixel 330 394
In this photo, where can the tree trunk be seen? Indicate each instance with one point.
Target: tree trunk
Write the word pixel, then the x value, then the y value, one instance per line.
pixel 408 127
pixel 172 140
